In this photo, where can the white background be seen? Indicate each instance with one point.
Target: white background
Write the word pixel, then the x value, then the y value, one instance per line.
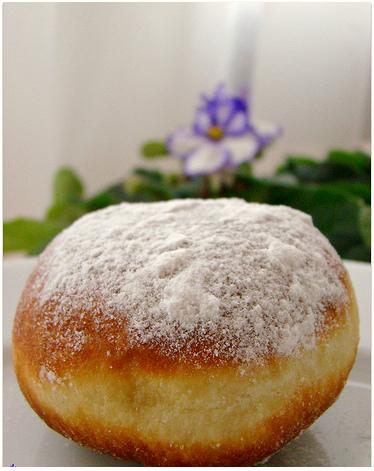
pixel 85 84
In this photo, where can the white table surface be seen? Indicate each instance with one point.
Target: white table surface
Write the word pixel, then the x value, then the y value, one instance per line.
pixel 341 437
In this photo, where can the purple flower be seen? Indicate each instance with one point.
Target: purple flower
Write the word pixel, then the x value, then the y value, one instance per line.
pixel 222 136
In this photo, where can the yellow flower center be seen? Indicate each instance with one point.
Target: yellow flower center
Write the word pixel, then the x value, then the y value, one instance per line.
pixel 215 132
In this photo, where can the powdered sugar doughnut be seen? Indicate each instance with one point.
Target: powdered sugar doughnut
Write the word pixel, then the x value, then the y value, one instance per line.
pixel 189 332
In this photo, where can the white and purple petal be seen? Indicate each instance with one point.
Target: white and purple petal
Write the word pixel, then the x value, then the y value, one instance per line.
pixel 223 112
pixel 182 142
pixel 241 149
pixel 220 92
pixel 208 159
pixel 266 132
pixel 221 136
pixel 203 121
pixel 237 125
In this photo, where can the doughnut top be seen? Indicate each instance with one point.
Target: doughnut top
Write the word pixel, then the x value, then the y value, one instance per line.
pixel 253 279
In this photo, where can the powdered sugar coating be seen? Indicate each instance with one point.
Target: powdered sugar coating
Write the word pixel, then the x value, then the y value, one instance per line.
pixel 254 279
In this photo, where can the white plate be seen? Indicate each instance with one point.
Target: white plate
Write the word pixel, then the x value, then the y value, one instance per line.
pixel 341 437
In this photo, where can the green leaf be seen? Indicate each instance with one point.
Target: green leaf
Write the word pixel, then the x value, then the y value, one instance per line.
pixel 133 185
pixel 151 175
pixel 67 187
pixel 244 168
pixel 362 190
pixel 174 179
pixel 152 149
pixel 338 166
pixel 365 224
pixel 357 161
pixel 190 189
pixel 112 195
pixel 358 252
pixel 65 214
pixel 293 161
pixel 100 201
pixel 305 170
pixel 28 235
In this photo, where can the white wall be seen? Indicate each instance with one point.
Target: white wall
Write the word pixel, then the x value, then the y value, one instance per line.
pixel 86 84
pixel 313 75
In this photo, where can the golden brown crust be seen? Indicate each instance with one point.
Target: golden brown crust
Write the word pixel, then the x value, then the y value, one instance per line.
pixel 300 411
pixel 301 402
pixel 124 444
pixel 49 344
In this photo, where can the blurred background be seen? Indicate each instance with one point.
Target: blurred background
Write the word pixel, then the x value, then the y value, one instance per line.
pixel 86 84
